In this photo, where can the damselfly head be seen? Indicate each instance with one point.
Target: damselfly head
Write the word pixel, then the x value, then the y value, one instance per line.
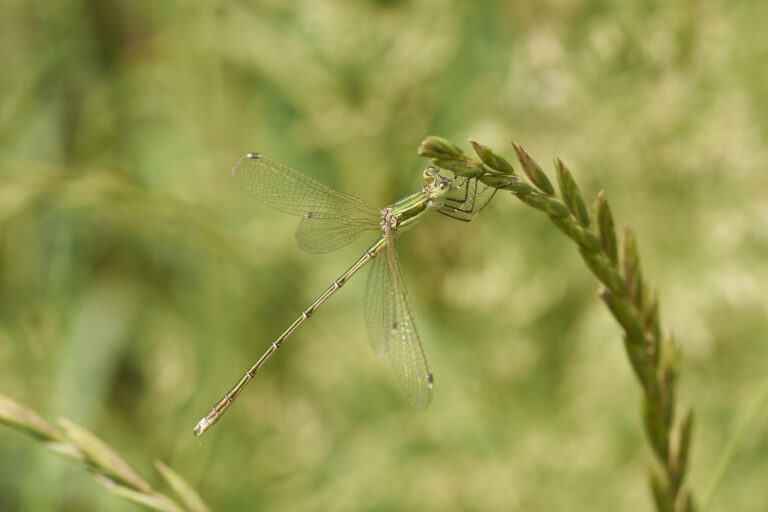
pixel 430 173
pixel 441 180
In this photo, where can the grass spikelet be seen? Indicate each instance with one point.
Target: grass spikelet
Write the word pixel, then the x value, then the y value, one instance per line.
pixel 627 296
pixel 110 470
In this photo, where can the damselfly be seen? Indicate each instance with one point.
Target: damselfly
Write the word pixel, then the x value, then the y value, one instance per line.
pixel 331 219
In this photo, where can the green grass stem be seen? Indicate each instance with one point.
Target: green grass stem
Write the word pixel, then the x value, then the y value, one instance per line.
pixel 616 264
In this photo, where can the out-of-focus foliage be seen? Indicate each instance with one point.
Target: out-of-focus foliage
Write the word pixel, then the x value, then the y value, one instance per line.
pixel 137 283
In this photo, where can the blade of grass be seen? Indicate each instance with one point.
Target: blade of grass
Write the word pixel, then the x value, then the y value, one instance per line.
pixel 183 490
pixel 731 449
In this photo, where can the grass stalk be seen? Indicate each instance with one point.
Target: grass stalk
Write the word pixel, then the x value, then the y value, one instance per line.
pixel 78 445
pixel 615 262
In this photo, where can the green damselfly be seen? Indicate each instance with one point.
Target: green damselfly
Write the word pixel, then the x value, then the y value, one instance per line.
pixel 332 219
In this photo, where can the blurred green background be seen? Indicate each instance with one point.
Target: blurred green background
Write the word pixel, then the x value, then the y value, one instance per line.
pixel 137 282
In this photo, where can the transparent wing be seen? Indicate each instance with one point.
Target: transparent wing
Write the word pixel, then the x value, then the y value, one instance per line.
pixel 332 219
pixel 288 190
pixel 379 304
pixel 406 351
pixel 323 235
